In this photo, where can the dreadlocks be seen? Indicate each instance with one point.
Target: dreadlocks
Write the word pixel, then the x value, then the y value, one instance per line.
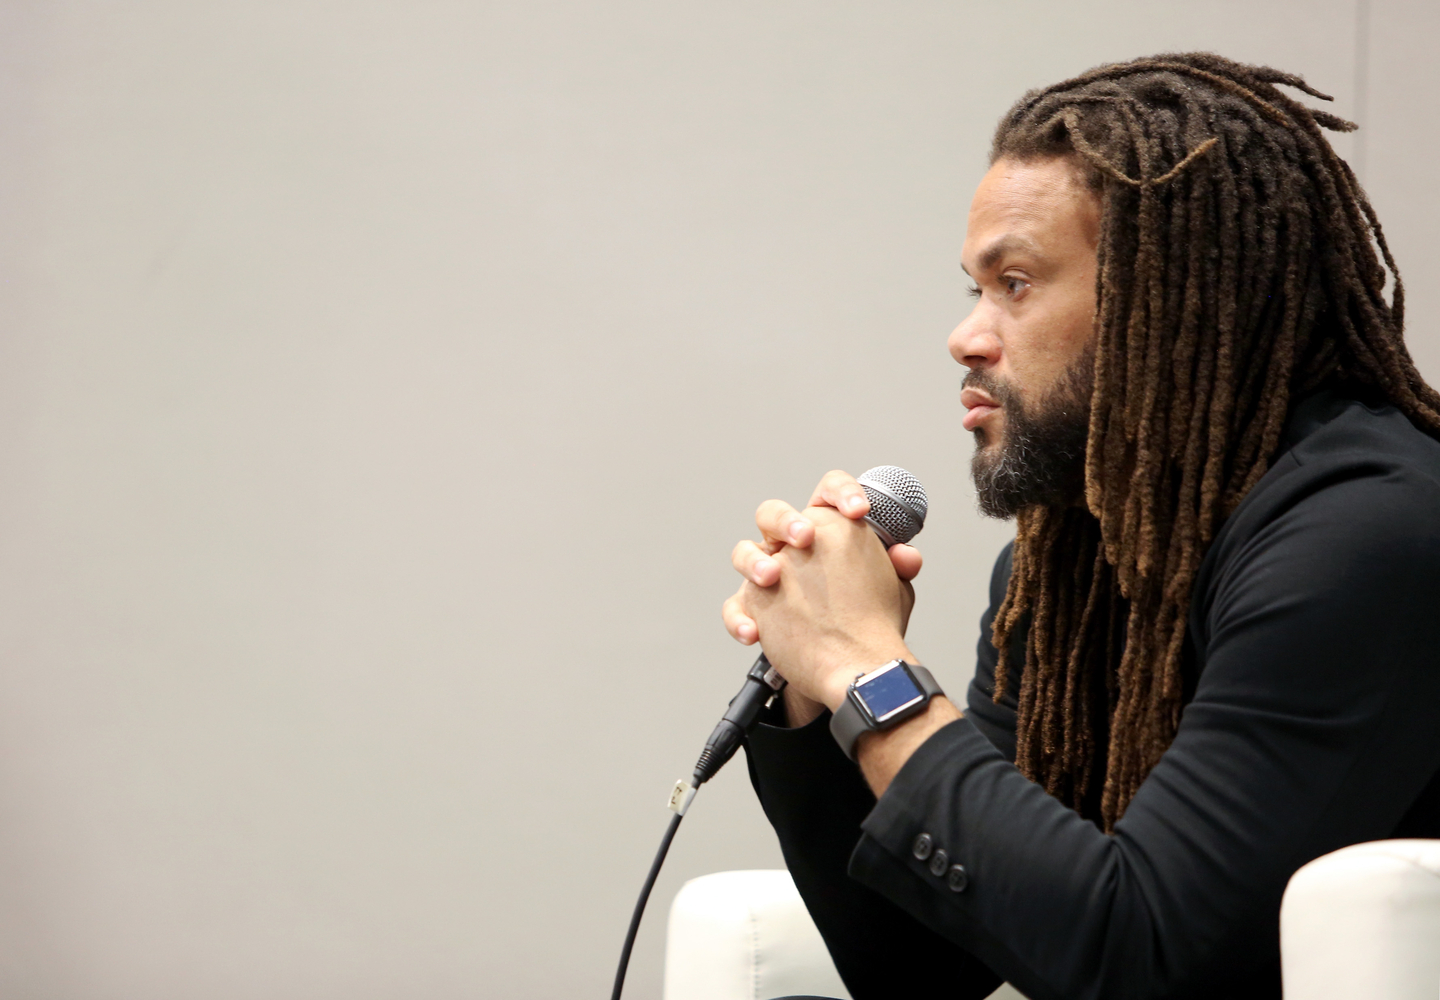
pixel 1237 270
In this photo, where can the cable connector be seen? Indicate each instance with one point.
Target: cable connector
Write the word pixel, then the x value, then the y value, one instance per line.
pixel 762 683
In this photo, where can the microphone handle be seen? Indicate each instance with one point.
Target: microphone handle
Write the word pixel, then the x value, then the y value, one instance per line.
pixel 761 684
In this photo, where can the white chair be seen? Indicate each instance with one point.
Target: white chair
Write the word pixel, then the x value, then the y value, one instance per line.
pixel 748 936
pixel 1363 922
pixel 735 935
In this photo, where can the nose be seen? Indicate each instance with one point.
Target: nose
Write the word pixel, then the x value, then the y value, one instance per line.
pixel 973 343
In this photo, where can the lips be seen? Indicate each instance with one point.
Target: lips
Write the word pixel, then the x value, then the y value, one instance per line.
pixel 978 405
pixel 975 414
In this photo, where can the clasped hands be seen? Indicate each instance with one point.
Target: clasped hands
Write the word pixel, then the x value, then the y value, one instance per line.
pixel 822 595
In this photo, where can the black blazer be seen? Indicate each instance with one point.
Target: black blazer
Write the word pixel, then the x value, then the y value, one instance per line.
pixel 1315 723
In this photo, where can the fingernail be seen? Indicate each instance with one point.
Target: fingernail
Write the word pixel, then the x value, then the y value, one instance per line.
pixel 855 501
pixel 746 632
pixel 762 567
pixel 794 529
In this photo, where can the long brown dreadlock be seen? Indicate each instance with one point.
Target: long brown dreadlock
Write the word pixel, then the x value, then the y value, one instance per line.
pixel 1237 270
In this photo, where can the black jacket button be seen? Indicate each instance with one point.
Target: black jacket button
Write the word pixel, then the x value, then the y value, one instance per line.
pixel 939 861
pixel 957 880
pixel 922 847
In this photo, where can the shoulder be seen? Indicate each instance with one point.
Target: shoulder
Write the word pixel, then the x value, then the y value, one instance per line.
pixel 1349 463
pixel 1352 503
pixel 1334 432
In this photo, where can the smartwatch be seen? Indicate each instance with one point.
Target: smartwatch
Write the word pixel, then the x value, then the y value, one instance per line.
pixel 885 697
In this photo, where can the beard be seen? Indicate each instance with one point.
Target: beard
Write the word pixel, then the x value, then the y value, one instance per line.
pixel 1040 459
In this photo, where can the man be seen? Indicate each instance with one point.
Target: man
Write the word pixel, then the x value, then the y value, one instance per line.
pixel 1213 650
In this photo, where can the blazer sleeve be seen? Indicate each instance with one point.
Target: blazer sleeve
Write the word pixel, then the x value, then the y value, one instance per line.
pixel 816 799
pixel 1311 728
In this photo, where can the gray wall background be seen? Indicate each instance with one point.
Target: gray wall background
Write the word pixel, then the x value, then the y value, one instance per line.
pixel 382 387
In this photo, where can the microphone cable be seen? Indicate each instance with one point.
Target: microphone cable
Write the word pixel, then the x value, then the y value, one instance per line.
pixel 762 684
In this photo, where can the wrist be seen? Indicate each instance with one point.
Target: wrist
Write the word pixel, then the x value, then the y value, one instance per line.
pixel 800 711
pixel 836 682
pixel 885 698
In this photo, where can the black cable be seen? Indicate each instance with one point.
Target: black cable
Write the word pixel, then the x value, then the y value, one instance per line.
pixel 640 905
pixel 761 684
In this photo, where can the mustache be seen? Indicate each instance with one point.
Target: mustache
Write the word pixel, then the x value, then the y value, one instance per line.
pixel 987 381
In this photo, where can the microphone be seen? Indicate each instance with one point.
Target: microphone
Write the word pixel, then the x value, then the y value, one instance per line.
pixel 898 506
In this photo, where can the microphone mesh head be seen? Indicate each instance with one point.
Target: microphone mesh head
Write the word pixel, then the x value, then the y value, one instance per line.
pixel 898 504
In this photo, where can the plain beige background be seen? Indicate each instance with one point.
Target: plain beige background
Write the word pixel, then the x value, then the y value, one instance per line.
pixel 382 387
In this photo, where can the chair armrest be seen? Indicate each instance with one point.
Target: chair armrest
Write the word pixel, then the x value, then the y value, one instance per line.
pixel 1364 921
pixel 745 936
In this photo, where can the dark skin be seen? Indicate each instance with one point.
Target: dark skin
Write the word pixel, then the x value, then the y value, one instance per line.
pixel 822 595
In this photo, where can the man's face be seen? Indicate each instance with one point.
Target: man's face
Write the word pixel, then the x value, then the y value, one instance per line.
pixel 1030 250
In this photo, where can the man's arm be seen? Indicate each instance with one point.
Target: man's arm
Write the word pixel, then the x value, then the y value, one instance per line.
pixel 882 755
pixel 1310 729
pixel 816 800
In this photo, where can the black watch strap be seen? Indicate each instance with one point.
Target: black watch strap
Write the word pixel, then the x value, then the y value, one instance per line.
pixel 850 720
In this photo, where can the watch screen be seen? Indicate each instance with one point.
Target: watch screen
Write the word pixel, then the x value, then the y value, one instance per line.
pixel 889 692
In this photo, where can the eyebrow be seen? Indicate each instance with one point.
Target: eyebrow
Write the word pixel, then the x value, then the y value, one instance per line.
pixel 998 249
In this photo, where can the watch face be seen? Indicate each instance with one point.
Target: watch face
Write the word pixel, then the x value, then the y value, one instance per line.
pixel 887 691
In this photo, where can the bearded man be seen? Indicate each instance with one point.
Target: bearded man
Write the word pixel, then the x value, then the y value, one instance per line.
pixel 1213 649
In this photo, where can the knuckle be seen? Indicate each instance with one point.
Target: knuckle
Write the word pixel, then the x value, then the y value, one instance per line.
pixel 772 514
pixel 744 557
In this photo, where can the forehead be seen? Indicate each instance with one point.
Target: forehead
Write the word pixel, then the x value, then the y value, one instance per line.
pixel 1042 206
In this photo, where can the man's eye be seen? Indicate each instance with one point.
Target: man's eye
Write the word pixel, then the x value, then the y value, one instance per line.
pixel 973 291
pixel 1016 285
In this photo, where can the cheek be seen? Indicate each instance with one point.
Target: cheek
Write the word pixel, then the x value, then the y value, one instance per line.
pixel 1062 335
pixel 1037 350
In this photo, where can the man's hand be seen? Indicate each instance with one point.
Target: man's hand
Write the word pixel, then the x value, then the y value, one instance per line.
pixel 828 604
pixel 848 602
pixel 837 610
